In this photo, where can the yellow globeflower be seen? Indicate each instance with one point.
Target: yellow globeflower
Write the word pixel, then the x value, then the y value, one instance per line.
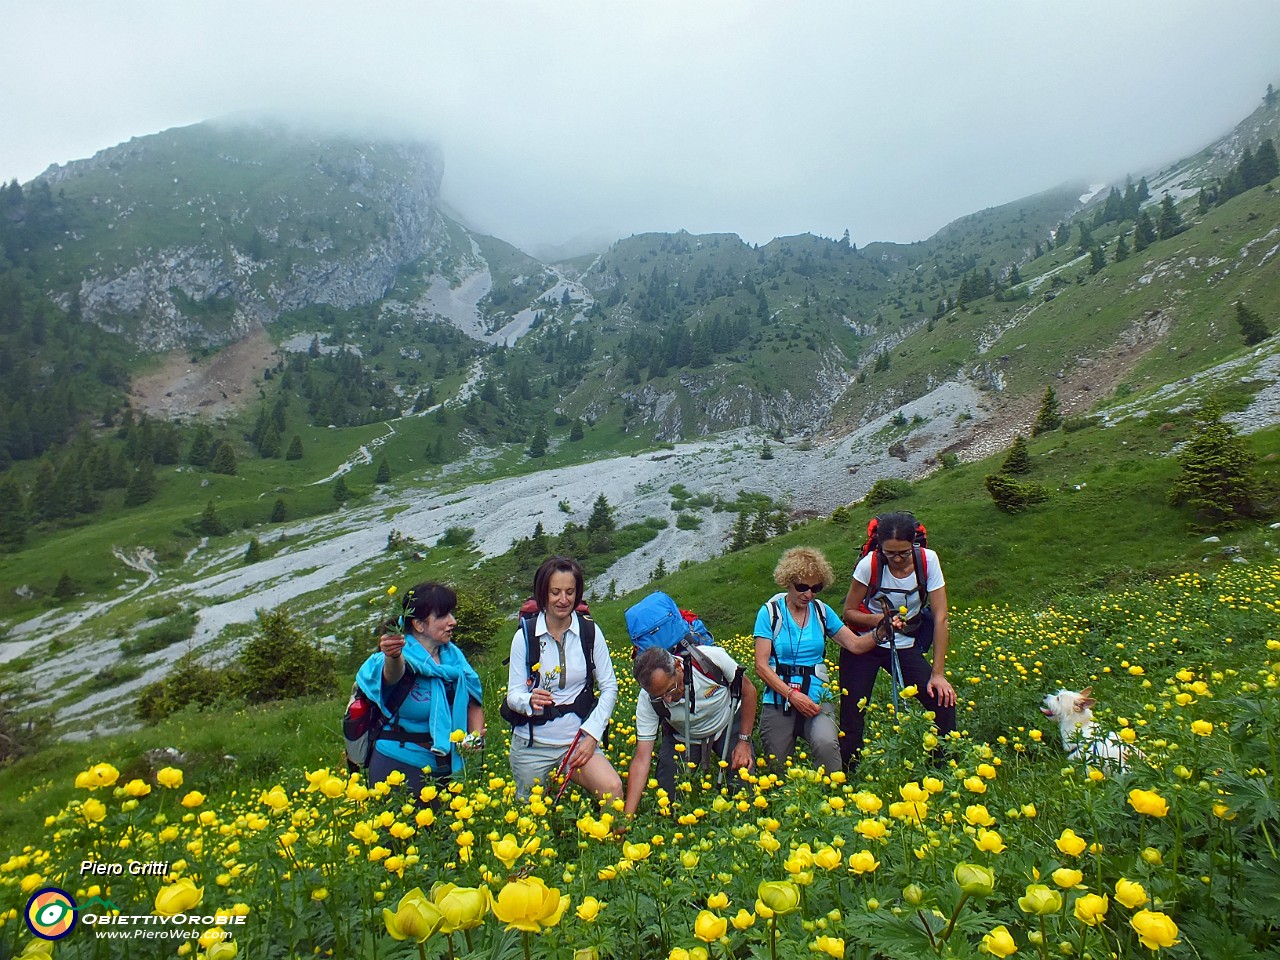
pixel 178 897
pixel 1131 893
pixel 709 927
pixel 636 851
pixel 1201 728
pixel 1040 900
pixel 415 917
pixel 989 841
pixel 718 901
pixel 193 799
pixel 93 810
pixel 1152 856
pixel 694 953
pixel 589 909
pixel 742 920
pixel 1154 929
pixel 780 896
pixel 529 904
pixel 867 802
pixel 870 829
pixel 974 879
pixel 508 850
pixel 863 862
pixel 828 858
pixel 170 777
pixel 224 949
pixel 975 784
pixel 1067 878
pixel 999 942
pixel 978 815
pixel 1070 844
pixel 137 788
pixel 831 946
pixel 1091 909
pixel 1148 802
pixel 463 908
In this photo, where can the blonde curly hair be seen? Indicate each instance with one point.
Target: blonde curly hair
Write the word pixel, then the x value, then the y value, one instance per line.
pixel 803 565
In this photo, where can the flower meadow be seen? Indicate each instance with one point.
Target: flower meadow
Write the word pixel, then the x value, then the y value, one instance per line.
pixel 992 843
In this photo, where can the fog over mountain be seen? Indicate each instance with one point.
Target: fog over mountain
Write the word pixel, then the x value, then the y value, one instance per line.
pixel 568 122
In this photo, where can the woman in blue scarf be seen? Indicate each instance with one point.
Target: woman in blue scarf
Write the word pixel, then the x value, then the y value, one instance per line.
pixel 443 692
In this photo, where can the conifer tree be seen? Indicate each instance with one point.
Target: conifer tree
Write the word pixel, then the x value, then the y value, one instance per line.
pixel 766 452
pixel 384 473
pixel 1048 418
pixel 142 486
pixel 741 533
pixel 538 446
pixel 269 443
pixel 1252 327
pixel 211 524
pixel 1122 249
pixel 253 553
pixel 198 454
pixel 601 518
pixel 13 517
pixel 1144 232
pixel 1170 219
pixel 224 459
pixel 295 449
pixel 279 512
pixel 1268 163
pixel 341 494
pixel 660 570
pixel 66 588
pixel 1018 459
pixel 576 432
pixel 1216 479
pixel 1097 259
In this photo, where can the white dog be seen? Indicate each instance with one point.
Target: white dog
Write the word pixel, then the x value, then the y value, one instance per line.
pixel 1074 714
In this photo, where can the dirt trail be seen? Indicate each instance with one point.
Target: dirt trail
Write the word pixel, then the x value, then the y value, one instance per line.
pixel 214 387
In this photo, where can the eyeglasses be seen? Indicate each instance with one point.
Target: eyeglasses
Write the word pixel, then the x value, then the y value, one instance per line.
pixel 673 695
pixel 897 554
pixel 808 587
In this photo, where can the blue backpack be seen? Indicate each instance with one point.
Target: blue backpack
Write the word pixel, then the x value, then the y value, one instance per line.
pixel 656 621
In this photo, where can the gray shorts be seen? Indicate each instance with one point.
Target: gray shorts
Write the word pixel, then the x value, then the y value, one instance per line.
pixel 533 763
pixel 779 730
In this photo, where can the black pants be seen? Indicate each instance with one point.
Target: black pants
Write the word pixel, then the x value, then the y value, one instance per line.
pixel 673 766
pixel 858 677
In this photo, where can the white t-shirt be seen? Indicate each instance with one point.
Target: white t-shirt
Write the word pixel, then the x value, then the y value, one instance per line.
pixel 899 592
pixel 712 710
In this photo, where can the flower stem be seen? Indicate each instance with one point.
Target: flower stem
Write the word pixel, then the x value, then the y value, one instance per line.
pixel 964 898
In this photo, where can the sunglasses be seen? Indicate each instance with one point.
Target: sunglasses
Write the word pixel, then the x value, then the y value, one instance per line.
pixel 897 554
pixel 808 587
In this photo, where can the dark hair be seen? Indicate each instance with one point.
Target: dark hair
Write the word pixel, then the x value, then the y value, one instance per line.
pixel 896 526
pixel 429 599
pixel 651 660
pixel 542 579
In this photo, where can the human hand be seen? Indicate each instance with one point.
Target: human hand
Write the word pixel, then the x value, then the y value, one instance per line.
pixel 803 704
pixel 942 691
pixel 741 756
pixel 541 699
pixel 391 645
pixel 586 746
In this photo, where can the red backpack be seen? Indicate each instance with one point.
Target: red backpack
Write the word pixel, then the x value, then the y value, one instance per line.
pixel 919 560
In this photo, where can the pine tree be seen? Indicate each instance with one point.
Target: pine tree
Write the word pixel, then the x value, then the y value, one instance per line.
pixel 253 553
pixel 1170 220
pixel 269 443
pixel 279 512
pixel 766 452
pixel 1252 326
pixel 741 533
pixel 1097 260
pixel 1268 164
pixel 1048 418
pixel 1217 480
pixel 384 472
pixel 1018 459
pixel 210 523
pixel 660 570
pixel 538 446
pixel 295 449
pixel 601 518
pixel 224 459
pixel 1144 232
pixel 1122 249
pixel 341 493
pixel 142 487
pixel 201 441
pixel 576 433
pixel 66 588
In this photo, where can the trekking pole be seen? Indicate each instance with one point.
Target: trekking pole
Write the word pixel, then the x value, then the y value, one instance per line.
pixel 895 665
pixel 564 770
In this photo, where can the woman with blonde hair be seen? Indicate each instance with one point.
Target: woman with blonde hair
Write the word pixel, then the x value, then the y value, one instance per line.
pixel 791 633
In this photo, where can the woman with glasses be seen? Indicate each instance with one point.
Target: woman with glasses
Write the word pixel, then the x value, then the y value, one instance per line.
pixel 791 633
pixel 907 575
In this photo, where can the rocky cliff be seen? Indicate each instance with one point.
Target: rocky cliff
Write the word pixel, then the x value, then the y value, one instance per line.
pixel 190 236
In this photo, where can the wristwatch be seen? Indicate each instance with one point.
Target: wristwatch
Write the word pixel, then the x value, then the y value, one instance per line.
pixel 745 738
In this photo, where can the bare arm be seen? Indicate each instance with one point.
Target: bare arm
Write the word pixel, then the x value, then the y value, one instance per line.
pixel 855 617
pixel 939 685
pixel 741 755
pixel 638 775
pixel 855 642
pixel 779 686
pixel 392 647
pixel 475 717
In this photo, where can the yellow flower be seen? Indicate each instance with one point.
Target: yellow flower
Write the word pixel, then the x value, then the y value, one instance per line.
pixel 975 785
pixel 589 909
pixel 934 785
pixel 1201 728
pixel 910 690
pixel 999 942
pixel 1148 802
pixel 224 949
pixel 391 590
pixel 831 946
pixel 1152 856
pixel 694 953
pixel 137 788
pixel 636 851
pixel 913 893
pixel 780 896
pixel 718 901
pixel 989 841
pixel 463 908
pixel 709 927
pixel 870 829
pixel 1131 893
pixel 828 858
pixel 1040 900
pixel 457 736
pixel 742 920
pixel 867 802
pixel 1091 909
pixel 1154 929
pixel 415 917
pixel 93 810
pixel 529 904
pixel 1070 844
pixel 913 793
pixel 974 879
pixel 978 815
pixel 508 850
pixel 178 897
pixel 193 799
pixel 1066 877
pixel 320 894
pixel 863 862
pixel 170 777
pixel 99 775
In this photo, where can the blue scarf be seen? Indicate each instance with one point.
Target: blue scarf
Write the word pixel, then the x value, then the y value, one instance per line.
pixel 453 668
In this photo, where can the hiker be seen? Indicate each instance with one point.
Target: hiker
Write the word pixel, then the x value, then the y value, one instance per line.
pixel 444 692
pixel 906 574
pixel 791 632
pixel 714 724
pixel 558 718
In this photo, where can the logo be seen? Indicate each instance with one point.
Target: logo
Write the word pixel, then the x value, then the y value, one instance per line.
pixel 51 913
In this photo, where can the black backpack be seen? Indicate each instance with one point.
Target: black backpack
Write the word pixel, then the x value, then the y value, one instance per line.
pixel 364 723
pixel 585 702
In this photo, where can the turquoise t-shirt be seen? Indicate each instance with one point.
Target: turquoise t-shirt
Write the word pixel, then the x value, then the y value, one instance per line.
pixel 799 647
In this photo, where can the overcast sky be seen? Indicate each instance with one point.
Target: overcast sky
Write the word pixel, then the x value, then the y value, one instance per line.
pixel 559 118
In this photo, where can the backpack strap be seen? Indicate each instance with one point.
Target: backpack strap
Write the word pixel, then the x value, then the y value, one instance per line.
pixel 389 729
